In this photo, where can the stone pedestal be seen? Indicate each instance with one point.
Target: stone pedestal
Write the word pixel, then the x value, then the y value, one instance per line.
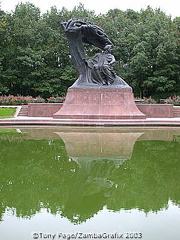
pixel 100 103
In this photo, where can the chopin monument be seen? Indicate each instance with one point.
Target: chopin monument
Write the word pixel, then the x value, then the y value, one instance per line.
pixel 98 93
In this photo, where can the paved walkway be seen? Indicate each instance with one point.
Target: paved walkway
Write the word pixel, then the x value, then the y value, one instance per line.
pixel 90 122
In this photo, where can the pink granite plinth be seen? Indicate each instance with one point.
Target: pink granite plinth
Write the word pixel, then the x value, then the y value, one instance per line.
pixel 99 104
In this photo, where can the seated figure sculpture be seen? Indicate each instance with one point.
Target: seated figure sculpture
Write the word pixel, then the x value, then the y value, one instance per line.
pixel 100 65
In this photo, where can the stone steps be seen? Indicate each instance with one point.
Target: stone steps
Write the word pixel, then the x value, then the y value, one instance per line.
pixel 176 111
pixel 91 122
pixel 23 111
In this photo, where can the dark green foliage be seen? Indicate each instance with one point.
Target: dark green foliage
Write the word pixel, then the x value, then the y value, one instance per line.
pixel 34 55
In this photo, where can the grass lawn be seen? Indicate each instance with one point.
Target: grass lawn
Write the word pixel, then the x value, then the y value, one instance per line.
pixel 6 112
pixel 7 131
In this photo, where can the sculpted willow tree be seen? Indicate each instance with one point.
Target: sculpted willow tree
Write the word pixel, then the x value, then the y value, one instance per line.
pixel 98 70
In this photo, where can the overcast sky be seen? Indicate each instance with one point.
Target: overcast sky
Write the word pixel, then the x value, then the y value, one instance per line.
pixel 170 7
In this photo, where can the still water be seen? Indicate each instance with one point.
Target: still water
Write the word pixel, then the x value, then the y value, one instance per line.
pixel 84 183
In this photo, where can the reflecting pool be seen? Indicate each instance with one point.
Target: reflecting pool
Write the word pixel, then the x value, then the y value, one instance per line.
pixel 90 183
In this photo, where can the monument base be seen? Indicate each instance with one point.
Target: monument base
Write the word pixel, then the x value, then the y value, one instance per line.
pixel 100 103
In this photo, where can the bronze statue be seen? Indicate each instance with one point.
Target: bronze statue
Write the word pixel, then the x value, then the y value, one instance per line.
pixel 95 72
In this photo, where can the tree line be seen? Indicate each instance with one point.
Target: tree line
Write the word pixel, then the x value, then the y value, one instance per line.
pixel 35 58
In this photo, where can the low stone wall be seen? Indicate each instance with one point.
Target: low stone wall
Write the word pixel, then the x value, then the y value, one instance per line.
pixel 156 110
pixel 43 109
pixel 176 111
pixel 150 110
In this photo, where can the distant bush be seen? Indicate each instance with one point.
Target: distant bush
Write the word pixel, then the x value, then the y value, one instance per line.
pixel 15 100
pixel 55 99
pixel 173 100
pixel 144 100
pixel 149 100
pixel 24 100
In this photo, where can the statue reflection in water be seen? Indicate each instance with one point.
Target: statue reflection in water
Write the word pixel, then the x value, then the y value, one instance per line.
pixel 76 173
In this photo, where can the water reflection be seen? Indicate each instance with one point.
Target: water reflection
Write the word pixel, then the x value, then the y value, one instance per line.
pixel 76 174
